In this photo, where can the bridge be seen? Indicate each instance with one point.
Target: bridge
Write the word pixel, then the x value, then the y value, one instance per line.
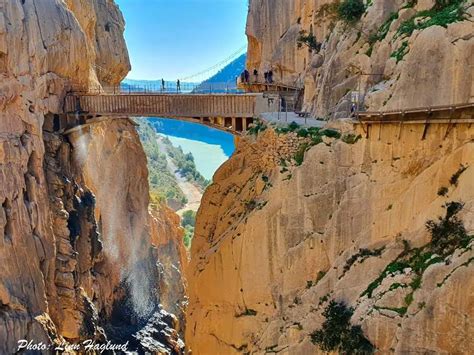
pixel 230 112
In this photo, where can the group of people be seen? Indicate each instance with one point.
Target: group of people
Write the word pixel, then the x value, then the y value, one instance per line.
pixel 163 85
pixel 245 76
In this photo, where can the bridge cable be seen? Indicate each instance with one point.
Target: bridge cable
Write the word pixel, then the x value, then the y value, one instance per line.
pixel 224 62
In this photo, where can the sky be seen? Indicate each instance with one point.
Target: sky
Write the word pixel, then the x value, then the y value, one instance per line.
pixel 173 39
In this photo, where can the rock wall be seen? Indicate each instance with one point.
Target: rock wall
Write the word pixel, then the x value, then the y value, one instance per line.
pixel 370 56
pixel 74 242
pixel 274 244
pixel 143 252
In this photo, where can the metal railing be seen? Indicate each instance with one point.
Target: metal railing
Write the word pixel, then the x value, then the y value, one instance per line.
pixel 257 81
pixel 167 88
pixel 446 111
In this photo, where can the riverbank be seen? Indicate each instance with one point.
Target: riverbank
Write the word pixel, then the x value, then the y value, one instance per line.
pixel 191 191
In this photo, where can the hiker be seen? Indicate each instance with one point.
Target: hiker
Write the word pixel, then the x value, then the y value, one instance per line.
pixel 178 86
pixel 255 74
pixel 162 84
pixel 265 76
pixel 353 109
pixel 270 76
pixel 242 77
pixel 246 76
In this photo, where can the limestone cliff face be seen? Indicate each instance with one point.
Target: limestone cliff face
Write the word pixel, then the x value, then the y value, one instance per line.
pixel 143 252
pixel 76 244
pixel 274 244
pixel 392 70
pixel 357 222
pixel 167 237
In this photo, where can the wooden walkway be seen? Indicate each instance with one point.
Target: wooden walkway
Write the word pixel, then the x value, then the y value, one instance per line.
pixel 231 112
pixel 433 114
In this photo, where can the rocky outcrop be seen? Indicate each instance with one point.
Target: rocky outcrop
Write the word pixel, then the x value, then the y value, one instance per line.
pixel 378 56
pixel 167 237
pixel 274 244
pixel 77 244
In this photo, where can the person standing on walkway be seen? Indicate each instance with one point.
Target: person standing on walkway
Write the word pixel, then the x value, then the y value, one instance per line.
pixel 270 76
pixel 162 84
pixel 246 76
pixel 255 74
pixel 178 86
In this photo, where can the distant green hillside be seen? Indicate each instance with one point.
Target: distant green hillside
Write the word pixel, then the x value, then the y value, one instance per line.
pixel 185 163
pixel 226 76
pixel 163 184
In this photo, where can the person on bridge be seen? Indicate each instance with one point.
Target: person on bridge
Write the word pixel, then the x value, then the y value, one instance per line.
pixel 255 74
pixel 265 76
pixel 246 76
pixel 178 86
pixel 270 76
pixel 162 84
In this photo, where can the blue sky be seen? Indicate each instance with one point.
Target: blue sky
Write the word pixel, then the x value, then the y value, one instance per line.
pixel 177 38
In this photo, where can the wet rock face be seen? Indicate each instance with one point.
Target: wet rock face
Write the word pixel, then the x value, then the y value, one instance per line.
pixel 78 244
pixel 392 78
pixel 159 336
pixel 157 333
pixel 334 229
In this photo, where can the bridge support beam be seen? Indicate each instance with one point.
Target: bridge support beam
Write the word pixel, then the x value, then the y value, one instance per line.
pixel 234 123
pixel 244 124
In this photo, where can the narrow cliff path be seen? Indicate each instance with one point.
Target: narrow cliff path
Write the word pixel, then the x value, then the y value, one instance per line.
pixel 191 191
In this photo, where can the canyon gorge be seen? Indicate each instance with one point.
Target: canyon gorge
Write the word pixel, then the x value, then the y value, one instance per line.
pixel 377 218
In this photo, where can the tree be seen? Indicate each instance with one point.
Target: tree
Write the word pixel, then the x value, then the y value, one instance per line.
pixel 189 218
pixel 351 10
pixel 337 333
pixel 308 40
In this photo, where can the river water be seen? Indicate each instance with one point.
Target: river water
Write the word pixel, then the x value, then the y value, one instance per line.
pixel 210 147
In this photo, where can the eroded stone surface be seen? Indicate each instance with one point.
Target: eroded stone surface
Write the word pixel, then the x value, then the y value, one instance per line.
pixel 59 275
pixel 270 267
pixel 437 68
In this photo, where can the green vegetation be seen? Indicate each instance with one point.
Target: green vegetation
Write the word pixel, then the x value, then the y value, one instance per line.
pixel 400 310
pixel 299 156
pixel 314 134
pixel 319 276
pixel 381 33
pixel 323 299
pixel 308 40
pixel 443 191
pixel 351 138
pixel 410 4
pixel 185 164
pixel 188 221
pixel 447 235
pixel 337 333
pixel 442 14
pixel 247 313
pixel 163 185
pixel 351 10
pixel 454 179
pixel 400 52
pixel 256 127
pixel 361 255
